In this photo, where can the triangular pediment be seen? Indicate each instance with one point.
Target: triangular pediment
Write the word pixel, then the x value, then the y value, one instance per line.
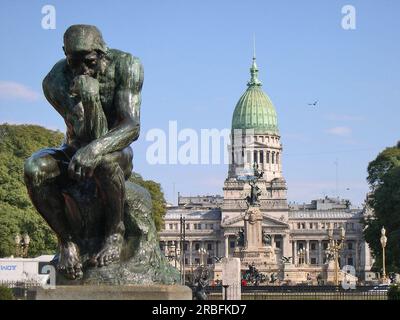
pixel 268 221
pixel 256 144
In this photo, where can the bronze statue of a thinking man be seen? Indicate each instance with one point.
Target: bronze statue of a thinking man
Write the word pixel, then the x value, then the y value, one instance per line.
pixel 97 92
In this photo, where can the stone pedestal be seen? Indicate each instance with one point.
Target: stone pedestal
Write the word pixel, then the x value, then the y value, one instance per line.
pixel 255 253
pixel 126 292
pixel 231 277
pixel 330 272
pixel 291 274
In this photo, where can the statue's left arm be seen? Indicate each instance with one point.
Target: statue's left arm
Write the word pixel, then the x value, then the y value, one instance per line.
pixel 126 127
pixel 127 100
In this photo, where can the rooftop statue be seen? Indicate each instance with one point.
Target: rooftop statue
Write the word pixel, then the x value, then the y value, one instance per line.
pixel 81 188
pixel 254 198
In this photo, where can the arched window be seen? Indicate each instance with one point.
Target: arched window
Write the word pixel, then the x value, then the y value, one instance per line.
pixel 267 157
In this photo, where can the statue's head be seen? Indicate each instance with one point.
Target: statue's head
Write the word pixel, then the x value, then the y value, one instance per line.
pixel 85 50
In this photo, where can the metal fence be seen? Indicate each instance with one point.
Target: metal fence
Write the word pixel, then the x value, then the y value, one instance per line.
pixel 22 290
pixel 302 293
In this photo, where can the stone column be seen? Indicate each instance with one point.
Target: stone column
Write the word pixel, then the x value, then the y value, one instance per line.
pixel 165 248
pixel 190 252
pixel 320 252
pixel 226 246
pixel 286 246
pixel 307 257
pixel 295 261
pixel 231 279
pixel 356 264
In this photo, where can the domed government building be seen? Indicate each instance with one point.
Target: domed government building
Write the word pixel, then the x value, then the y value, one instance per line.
pixel 289 241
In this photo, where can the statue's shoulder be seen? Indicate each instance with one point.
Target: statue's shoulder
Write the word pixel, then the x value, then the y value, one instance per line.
pixel 127 66
pixel 57 78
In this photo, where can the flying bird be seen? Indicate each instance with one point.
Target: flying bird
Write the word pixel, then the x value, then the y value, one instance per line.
pixel 314 104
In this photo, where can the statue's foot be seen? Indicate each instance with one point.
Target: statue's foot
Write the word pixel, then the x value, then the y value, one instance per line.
pixel 111 250
pixel 69 263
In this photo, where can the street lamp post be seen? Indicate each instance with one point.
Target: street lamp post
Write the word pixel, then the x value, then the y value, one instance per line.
pixel 383 243
pixel 334 248
pixel 183 240
pixel 202 252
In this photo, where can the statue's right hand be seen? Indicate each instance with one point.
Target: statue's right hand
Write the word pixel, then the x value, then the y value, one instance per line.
pixel 85 87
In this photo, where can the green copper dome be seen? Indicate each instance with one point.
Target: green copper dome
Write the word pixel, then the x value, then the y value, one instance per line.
pixel 254 109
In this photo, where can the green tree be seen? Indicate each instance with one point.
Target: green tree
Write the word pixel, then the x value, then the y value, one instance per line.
pixel 157 197
pixel 17 214
pixel 6 293
pixel 384 179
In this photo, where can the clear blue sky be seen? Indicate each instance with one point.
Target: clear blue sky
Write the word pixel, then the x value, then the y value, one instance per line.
pixel 196 56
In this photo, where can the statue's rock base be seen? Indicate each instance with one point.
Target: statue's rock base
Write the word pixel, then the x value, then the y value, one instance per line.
pixel 142 262
pixel 127 292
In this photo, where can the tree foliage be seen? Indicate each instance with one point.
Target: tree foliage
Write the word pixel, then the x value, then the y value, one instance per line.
pixel 157 197
pixel 17 214
pixel 384 179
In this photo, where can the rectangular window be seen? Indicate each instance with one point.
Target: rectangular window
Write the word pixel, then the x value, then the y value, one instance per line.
pixel 311 225
pixel 313 246
pixel 209 246
pixel 278 244
pixel 350 245
pixel 298 225
pixel 187 226
pixel 255 156
pixel 171 226
pixel 261 157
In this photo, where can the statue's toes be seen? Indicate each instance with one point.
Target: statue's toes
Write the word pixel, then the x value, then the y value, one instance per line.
pixel 78 272
pixel 100 261
pixel 70 272
pixel 107 260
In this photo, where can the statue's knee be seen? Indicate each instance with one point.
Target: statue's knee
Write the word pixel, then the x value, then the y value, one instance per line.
pixel 39 168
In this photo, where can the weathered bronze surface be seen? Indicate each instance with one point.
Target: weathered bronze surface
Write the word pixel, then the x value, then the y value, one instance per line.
pixel 80 189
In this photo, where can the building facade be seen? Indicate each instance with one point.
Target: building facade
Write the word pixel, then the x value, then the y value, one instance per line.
pixel 298 234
